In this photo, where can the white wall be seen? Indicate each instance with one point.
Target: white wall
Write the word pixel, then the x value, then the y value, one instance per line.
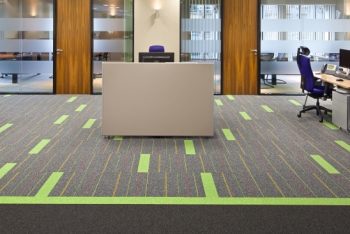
pixel 161 30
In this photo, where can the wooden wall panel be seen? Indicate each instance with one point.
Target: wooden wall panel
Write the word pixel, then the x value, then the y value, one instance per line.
pixel 240 37
pixel 73 30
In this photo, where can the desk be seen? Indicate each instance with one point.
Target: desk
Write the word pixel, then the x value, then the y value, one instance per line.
pixel 341 101
pixel 157 99
pixel 333 80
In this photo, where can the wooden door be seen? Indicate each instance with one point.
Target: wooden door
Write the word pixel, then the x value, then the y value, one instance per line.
pixel 240 46
pixel 73 46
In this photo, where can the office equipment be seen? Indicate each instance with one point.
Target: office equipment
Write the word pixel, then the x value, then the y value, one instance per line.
pixel 313 90
pixel 330 69
pixel 152 57
pixel 344 58
pixel 162 101
pixel 156 48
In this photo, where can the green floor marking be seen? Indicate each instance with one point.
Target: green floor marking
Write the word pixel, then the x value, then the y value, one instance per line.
pixel 50 183
pixel 144 163
pixel 61 119
pixel 72 99
pixel 81 108
pixel 230 97
pixel 228 134
pixel 89 123
pixel 40 146
pixel 5 127
pixel 325 165
pixel 219 102
pixel 260 201
pixel 267 108
pixel 118 138
pixel 189 147
pixel 294 102
pixel 6 168
pixel 344 145
pixel 245 115
pixel 209 185
pixel 330 125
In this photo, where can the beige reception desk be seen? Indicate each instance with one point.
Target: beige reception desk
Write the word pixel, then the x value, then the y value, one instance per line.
pixel 157 99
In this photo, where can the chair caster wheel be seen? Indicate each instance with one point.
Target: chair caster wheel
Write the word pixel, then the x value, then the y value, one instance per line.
pixel 299 115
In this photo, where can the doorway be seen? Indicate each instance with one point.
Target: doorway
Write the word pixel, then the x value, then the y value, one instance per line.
pixel 73 47
pixel 240 47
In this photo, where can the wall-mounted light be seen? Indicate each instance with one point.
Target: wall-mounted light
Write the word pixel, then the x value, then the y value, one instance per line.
pixel 157 6
pixel 347 7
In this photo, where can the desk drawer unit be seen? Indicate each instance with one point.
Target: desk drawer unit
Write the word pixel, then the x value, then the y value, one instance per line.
pixel 341 110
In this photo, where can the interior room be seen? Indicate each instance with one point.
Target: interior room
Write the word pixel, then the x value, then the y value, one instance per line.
pixel 181 116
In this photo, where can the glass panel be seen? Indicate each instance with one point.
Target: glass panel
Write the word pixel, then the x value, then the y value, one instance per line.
pixel 26 46
pixel 113 35
pixel 201 34
pixel 323 26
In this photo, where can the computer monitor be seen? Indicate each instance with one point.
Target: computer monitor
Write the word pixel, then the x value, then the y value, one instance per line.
pixel 156 57
pixel 344 58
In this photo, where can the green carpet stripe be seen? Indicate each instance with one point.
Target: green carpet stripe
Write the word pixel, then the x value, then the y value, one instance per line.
pixel 72 99
pixel 189 147
pixel 294 102
pixel 230 97
pixel 40 146
pixel 245 115
pixel 118 138
pixel 49 185
pixel 61 119
pixel 330 125
pixel 176 201
pixel 6 168
pixel 267 108
pixel 228 134
pixel 219 102
pixel 81 108
pixel 325 165
pixel 344 145
pixel 89 123
pixel 5 127
pixel 209 185
pixel 144 163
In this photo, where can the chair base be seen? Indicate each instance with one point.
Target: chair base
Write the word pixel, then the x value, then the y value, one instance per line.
pixel 316 107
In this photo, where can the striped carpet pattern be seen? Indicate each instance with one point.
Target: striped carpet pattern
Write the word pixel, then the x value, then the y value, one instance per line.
pixel 52 146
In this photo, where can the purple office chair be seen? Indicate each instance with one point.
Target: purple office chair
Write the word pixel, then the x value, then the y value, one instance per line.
pixel 156 48
pixel 313 90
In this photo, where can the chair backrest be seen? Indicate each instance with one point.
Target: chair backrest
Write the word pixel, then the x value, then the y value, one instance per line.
pixel 305 69
pixel 156 48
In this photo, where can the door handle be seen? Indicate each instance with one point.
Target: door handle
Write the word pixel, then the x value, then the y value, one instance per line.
pixel 58 51
pixel 255 50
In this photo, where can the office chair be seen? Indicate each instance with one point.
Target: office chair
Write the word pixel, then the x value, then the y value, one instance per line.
pixel 156 48
pixel 313 90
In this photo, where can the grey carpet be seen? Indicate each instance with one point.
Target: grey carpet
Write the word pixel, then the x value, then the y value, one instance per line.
pixel 271 156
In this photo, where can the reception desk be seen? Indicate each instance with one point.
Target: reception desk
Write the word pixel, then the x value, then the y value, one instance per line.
pixel 157 99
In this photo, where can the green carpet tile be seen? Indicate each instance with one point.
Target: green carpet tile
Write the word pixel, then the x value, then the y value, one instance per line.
pixel 52 146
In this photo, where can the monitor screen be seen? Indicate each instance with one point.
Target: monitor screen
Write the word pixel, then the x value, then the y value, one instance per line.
pixel 156 57
pixel 344 58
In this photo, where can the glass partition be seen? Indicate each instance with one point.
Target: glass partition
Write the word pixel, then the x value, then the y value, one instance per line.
pixel 321 25
pixel 201 34
pixel 26 46
pixel 113 35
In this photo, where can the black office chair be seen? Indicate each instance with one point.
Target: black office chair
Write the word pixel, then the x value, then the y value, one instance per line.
pixel 309 84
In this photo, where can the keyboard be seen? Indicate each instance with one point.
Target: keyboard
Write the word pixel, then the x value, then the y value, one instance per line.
pixel 342 76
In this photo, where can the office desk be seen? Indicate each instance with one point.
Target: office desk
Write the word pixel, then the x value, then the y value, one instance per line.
pixel 333 80
pixel 157 99
pixel 341 100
